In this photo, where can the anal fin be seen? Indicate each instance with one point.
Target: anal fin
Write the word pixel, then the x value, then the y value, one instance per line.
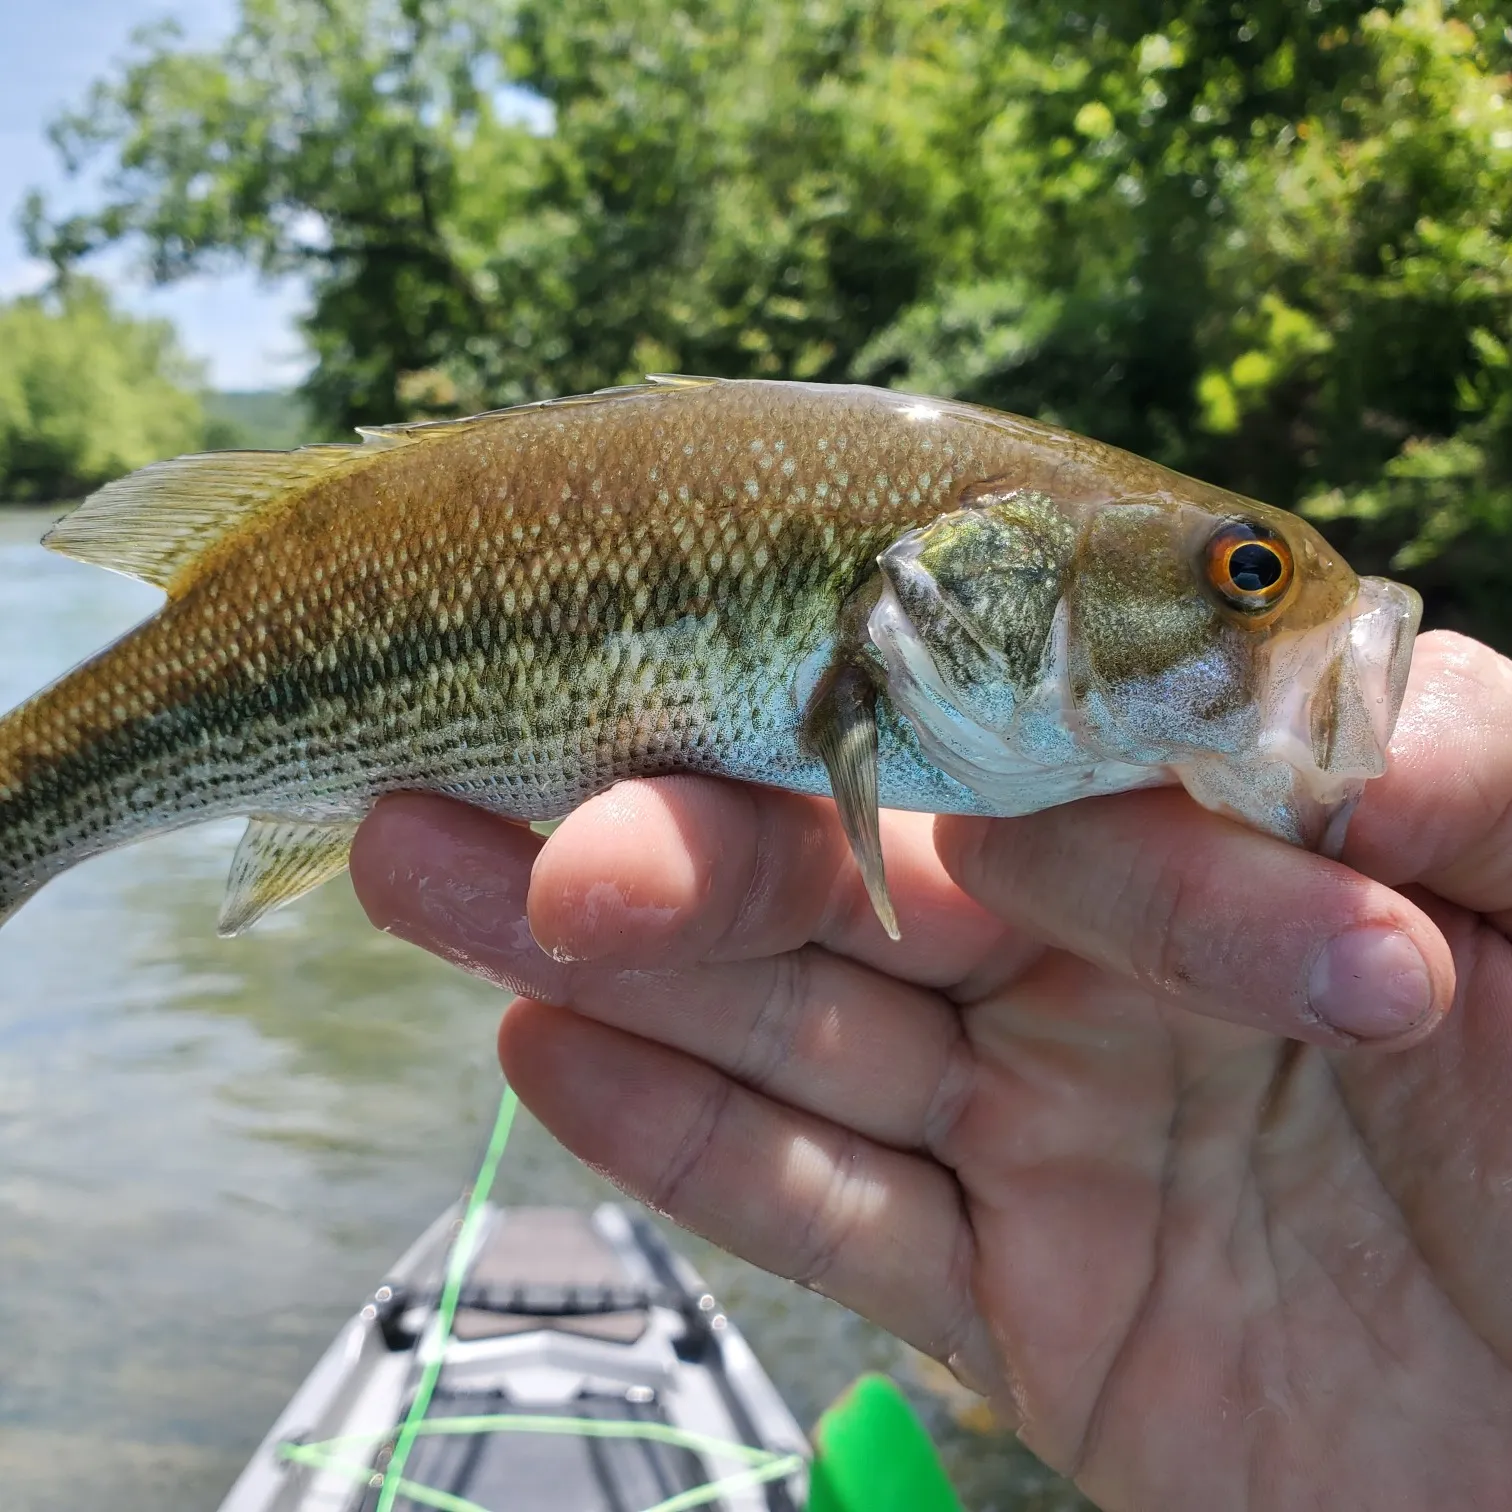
pixel 277 861
pixel 841 728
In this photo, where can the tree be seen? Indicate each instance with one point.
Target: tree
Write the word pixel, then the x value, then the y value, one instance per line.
pixel 87 394
pixel 1265 242
pixel 683 210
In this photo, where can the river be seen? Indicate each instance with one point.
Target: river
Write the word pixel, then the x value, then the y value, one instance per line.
pixel 210 1150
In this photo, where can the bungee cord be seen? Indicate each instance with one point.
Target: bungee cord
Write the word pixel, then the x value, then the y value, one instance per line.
pixel 758 1466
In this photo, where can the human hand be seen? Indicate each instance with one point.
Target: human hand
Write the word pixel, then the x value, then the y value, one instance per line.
pixel 1105 1131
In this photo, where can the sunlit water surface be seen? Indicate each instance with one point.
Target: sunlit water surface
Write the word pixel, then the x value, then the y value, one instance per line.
pixel 210 1150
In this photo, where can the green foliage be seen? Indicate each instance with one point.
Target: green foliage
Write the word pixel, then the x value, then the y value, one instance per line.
pixel 87 394
pixel 1264 242
pixel 262 419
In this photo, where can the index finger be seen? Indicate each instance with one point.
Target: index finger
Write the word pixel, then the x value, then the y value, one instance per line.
pixel 678 869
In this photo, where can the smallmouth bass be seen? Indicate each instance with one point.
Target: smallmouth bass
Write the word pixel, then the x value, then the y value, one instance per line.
pixel 896 601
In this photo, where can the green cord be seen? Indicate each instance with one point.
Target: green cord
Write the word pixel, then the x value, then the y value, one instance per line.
pixel 576 1427
pixel 771 1466
pixel 456 1274
pixel 761 1465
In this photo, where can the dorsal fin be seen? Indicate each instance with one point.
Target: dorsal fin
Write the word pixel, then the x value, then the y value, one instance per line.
pixel 677 381
pixel 656 383
pixel 153 523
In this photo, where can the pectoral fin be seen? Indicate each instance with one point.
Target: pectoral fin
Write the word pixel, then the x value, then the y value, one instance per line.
pixel 841 727
pixel 277 861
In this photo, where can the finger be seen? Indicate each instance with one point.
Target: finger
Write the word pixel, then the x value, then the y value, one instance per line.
pixel 806 1027
pixel 690 868
pixel 879 1231
pixel 454 880
pixel 1442 814
pixel 1216 917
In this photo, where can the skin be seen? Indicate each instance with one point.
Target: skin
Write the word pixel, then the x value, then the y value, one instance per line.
pixel 1085 1133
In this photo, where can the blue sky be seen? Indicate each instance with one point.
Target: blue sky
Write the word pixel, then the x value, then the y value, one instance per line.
pixel 50 52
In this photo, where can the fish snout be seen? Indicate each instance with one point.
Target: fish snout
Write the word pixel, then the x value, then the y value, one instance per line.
pixel 1358 683
pixel 1383 625
pixel 1334 695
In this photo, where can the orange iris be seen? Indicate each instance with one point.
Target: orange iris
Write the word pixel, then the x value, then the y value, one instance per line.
pixel 1250 567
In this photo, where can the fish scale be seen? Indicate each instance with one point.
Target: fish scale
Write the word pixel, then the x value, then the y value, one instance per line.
pixel 524 607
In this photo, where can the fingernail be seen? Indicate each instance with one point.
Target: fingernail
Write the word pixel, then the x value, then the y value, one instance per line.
pixel 1372 983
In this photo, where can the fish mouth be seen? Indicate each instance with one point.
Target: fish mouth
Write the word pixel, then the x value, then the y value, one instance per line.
pixel 1336 692
pixel 1382 628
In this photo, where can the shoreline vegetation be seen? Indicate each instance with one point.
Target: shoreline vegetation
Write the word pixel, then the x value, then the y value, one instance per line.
pixel 257 420
pixel 1269 246
pixel 88 393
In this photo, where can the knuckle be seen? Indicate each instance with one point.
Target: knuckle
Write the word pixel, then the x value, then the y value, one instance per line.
pixel 680 1169
pixel 768 1041
pixel 953 1091
pixel 1162 942
pixel 825 1232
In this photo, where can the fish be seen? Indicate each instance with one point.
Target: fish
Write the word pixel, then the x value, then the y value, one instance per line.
pixel 890 600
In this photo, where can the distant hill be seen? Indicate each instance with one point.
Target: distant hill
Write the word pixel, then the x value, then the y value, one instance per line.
pixel 262 419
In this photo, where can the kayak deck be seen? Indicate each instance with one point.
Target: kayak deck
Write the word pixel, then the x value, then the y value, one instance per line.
pixel 588 1369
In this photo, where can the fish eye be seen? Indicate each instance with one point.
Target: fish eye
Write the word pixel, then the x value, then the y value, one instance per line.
pixel 1249 566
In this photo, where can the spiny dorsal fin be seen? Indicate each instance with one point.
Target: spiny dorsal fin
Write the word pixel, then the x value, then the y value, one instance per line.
pixel 656 383
pixel 677 381
pixel 155 522
pixel 277 861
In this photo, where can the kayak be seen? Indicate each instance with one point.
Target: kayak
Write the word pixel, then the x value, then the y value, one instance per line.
pixel 551 1360
pixel 580 1364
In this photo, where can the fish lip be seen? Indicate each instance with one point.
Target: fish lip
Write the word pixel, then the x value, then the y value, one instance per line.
pixel 1384 622
pixel 1336 690
pixel 1336 693
pixel 1332 696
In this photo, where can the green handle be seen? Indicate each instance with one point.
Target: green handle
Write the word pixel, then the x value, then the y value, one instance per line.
pixel 872 1454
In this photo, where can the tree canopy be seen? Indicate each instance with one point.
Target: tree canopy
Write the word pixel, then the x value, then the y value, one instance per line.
pixel 1264 242
pixel 87 394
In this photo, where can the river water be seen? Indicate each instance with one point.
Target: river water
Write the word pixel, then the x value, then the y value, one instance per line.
pixel 210 1150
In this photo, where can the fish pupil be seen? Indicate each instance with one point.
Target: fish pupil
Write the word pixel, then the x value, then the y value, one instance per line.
pixel 1254 567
